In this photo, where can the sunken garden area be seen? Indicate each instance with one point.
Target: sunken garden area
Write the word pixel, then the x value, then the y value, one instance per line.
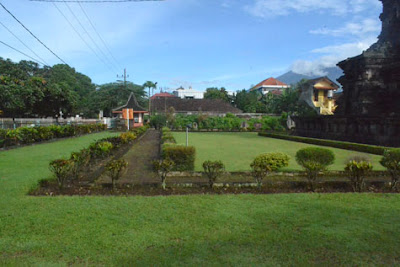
pixel 76 215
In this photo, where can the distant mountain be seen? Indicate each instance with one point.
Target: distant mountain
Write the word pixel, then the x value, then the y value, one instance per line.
pixel 291 77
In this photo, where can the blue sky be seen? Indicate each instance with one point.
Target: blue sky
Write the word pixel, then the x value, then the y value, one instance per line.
pixel 198 43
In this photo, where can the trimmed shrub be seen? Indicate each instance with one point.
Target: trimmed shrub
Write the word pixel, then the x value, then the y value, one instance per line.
pixel 168 138
pixel 391 161
pixel 213 169
pixel 61 168
pixel 80 159
pixel 127 137
pixel 115 169
pixel 100 149
pixel 163 167
pixel 357 168
pixel 266 163
pixel 377 150
pixel 182 156
pixel 314 160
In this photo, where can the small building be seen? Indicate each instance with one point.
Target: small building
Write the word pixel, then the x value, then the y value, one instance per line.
pixel 319 94
pixel 216 107
pixel 188 93
pixel 131 112
pixel 162 95
pixel 270 85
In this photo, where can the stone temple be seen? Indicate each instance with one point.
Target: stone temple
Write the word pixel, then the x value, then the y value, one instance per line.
pixel 369 108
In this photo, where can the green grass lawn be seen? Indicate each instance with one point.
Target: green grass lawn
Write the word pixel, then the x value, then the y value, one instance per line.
pixel 237 150
pixel 296 229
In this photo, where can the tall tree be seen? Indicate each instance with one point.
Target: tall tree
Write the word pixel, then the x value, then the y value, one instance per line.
pixel 215 93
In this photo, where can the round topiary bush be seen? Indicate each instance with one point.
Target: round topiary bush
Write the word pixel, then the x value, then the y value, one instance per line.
pixel 314 160
pixel 391 161
pixel 265 163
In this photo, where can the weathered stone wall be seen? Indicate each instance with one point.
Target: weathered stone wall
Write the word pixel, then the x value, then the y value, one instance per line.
pixel 367 130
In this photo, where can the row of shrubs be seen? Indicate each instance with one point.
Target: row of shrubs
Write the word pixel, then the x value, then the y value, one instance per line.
pixel 377 150
pixel 29 135
pixel 183 157
pixel 314 160
pixel 71 168
pixel 228 123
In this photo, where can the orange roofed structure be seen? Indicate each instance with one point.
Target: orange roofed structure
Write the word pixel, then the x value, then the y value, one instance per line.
pixel 270 85
pixel 132 111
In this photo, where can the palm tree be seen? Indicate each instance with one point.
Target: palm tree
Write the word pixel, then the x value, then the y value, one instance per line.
pixel 149 85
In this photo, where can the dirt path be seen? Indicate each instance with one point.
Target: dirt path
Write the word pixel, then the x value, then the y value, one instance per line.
pixel 140 158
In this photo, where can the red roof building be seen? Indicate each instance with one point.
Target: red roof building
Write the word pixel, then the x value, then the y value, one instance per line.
pixel 270 85
pixel 162 95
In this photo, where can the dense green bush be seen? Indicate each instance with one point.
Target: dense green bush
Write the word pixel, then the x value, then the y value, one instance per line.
pixel 61 168
pixel 182 156
pixel 391 161
pixel 377 150
pixel 213 169
pixel 127 137
pixel 314 160
pixel 357 168
pixel 29 135
pixel 100 149
pixel 115 168
pixel 265 163
pixel 163 167
pixel 80 160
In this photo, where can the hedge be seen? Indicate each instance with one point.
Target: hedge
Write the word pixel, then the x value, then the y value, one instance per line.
pixel 182 156
pixel 371 149
pixel 29 135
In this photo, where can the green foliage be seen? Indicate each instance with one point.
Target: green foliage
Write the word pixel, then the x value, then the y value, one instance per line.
pixel 314 160
pixel 115 168
pixel 158 121
pixel 215 93
pixel 127 137
pixel 377 150
pixel 168 138
pixel 29 135
pixel 266 163
pixel 213 169
pixel 163 167
pixel 391 161
pixel 100 149
pixel 357 168
pixel 80 159
pixel 182 156
pixel 61 168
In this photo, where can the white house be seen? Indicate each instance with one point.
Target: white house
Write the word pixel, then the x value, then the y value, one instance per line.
pixel 270 85
pixel 188 93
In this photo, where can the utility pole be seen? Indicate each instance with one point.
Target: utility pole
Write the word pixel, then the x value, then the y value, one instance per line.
pixel 123 76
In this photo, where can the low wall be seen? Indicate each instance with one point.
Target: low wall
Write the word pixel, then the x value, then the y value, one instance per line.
pixel 383 131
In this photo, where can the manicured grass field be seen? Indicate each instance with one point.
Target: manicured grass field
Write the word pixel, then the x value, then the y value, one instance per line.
pixel 237 150
pixel 296 229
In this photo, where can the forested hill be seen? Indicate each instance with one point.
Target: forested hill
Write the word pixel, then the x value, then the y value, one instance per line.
pixel 29 90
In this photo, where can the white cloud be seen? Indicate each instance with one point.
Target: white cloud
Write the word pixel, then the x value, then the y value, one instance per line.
pixel 275 8
pixel 366 26
pixel 331 55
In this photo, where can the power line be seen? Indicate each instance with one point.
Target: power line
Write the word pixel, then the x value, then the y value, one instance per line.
pixel 37 61
pixel 22 42
pixel 77 32
pixel 88 34
pixel 98 35
pixel 32 33
pixel 95 1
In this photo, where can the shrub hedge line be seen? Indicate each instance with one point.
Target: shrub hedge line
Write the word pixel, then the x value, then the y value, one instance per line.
pixel 100 149
pixel 30 135
pixel 371 149
pixel 182 156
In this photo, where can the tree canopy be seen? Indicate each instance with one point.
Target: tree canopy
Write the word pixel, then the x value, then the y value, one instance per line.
pixel 215 93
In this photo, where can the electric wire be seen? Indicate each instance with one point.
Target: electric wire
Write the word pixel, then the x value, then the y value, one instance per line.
pixel 12 15
pixel 90 37
pixel 37 61
pixel 77 32
pixel 23 43
pixel 98 35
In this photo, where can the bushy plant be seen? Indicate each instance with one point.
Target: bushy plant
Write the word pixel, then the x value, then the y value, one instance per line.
pixel 391 161
pixel 61 168
pixel 357 167
pixel 266 163
pixel 115 168
pixel 182 156
pixel 314 160
pixel 213 169
pixel 127 137
pixel 80 159
pixel 100 149
pixel 163 167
